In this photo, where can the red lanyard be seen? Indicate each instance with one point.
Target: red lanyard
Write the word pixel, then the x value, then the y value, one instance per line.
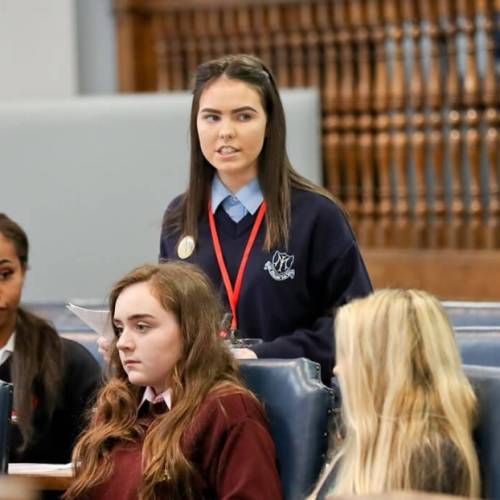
pixel 234 295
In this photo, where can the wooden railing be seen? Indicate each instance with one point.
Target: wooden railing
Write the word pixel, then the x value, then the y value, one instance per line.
pixel 410 98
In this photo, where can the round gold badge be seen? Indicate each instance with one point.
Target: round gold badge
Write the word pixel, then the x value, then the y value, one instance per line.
pixel 185 248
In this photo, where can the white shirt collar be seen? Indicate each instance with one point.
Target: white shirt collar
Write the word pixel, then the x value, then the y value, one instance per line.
pixel 8 348
pixel 151 396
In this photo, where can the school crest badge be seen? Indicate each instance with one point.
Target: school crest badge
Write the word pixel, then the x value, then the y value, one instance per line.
pixel 280 266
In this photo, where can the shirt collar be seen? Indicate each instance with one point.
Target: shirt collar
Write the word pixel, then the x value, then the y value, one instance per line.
pixel 151 396
pixel 250 195
pixel 8 348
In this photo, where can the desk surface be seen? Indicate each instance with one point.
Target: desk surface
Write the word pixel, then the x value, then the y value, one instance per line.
pixel 45 476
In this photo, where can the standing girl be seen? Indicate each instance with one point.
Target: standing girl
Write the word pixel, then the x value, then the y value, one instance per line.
pixel 279 248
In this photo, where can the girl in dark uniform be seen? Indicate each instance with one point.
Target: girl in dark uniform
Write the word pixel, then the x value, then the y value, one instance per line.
pixel 279 248
pixel 54 379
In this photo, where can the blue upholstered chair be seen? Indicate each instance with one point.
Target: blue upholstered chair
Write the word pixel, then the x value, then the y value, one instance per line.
pixel 479 346
pixel 299 408
pixel 486 382
pixel 473 313
pixel 5 424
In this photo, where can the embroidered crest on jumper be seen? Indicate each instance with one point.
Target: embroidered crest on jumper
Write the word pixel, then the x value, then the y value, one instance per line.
pixel 280 266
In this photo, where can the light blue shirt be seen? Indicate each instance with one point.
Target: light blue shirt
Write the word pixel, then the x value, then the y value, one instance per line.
pixel 247 200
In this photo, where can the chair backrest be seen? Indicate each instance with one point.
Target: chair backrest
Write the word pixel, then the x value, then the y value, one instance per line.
pixel 299 408
pixel 479 347
pixel 462 313
pixel 89 341
pixel 5 424
pixel 486 382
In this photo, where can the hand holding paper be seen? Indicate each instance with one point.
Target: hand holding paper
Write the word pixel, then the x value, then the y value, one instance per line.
pixel 100 322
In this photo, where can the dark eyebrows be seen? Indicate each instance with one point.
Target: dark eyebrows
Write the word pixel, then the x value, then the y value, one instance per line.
pixel 5 261
pixel 244 108
pixel 210 110
pixel 234 111
pixel 135 317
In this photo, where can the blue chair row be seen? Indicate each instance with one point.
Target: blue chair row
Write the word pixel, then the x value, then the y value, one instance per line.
pixel 473 314
pixel 461 313
pixel 479 346
pixel 300 410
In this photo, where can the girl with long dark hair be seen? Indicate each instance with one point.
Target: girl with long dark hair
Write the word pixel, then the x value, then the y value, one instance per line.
pixel 279 248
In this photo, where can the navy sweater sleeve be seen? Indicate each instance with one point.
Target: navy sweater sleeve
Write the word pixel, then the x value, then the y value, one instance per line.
pixel 335 274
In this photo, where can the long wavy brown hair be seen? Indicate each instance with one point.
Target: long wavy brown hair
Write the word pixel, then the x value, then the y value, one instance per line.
pixel 37 358
pixel 275 172
pixel 205 366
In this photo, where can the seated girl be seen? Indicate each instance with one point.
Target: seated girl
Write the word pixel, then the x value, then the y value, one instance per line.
pixel 174 420
pixel 408 408
pixel 54 378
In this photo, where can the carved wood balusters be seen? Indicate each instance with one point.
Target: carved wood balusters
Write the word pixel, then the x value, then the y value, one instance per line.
pixel 409 91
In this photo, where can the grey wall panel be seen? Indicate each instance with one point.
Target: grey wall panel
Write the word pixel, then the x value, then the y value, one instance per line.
pixel 89 179
pixel 96 47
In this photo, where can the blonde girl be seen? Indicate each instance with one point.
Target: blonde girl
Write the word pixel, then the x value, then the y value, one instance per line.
pixel 408 408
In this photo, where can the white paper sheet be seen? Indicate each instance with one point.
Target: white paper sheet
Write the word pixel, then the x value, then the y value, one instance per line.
pixel 26 468
pixel 98 320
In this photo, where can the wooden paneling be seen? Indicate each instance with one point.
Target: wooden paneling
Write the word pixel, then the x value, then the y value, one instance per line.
pixel 449 274
pixel 410 99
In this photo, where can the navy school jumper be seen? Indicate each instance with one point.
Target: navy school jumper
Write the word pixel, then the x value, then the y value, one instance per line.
pixel 289 295
pixel 53 439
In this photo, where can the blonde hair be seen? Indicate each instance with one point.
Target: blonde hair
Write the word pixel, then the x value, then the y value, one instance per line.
pixel 408 408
